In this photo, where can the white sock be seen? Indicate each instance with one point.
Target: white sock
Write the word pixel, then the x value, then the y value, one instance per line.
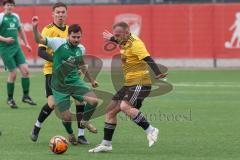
pixel 149 129
pixel 38 124
pixel 80 132
pixel 106 142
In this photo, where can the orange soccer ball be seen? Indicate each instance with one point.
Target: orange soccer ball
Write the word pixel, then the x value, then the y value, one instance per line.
pixel 58 144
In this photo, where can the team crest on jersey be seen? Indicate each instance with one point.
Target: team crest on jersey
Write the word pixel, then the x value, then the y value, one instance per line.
pixel 5 18
pixel 14 20
pixel 66 47
pixel 12 25
pixel 78 53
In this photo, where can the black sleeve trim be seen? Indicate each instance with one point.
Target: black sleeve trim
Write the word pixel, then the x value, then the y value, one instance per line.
pixel 152 65
pixel 44 55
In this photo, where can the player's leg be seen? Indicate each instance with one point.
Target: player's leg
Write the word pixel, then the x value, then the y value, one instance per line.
pixel 62 101
pixel 10 88
pixel 23 67
pixel 46 109
pixel 81 92
pixel 67 123
pixel 110 122
pixel 91 103
pixel 79 112
pixel 131 105
pixel 10 64
pixel 109 127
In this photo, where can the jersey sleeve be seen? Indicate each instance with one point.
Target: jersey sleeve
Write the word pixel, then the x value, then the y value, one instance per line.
pixel 83 49
pixel 140 50
pixel 55 42
pixel 18 18
pixel 1 18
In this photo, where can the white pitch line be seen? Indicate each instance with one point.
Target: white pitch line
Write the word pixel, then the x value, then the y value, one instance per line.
pixel 207 84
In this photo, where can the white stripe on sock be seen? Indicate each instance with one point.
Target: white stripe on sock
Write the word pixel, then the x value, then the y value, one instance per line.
pixel 149 129
pixel 38 124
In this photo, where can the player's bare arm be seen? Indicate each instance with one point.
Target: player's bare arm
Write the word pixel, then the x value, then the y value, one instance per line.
pixel 23 37
pixel 37 36
pixel 84 70
pixel 8 40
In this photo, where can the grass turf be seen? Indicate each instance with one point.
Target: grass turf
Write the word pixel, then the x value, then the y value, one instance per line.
pixel 198 120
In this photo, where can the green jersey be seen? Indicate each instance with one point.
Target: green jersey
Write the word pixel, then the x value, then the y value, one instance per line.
pixel 9 26
pixel 66 59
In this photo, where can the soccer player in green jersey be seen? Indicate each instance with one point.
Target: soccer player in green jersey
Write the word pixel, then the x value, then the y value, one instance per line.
pixel 11 52
pixel 65 83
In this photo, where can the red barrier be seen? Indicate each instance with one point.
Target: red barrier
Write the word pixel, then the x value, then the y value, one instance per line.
pixel 169 31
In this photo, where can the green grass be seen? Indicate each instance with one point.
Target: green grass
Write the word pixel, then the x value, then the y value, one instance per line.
pixel 198 120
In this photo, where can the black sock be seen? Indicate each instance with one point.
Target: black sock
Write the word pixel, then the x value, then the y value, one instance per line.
pixel 79 112
pixel 68 127
pixel 141 121
pixel 45 112
pixel 108 131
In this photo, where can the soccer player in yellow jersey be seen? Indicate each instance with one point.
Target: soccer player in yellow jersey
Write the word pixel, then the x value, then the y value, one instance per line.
pixel 135 61
pixel 56 29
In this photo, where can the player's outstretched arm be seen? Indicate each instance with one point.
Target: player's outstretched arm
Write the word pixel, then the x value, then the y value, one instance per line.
pixel 37 36
pixel 154 67
pixel 108 36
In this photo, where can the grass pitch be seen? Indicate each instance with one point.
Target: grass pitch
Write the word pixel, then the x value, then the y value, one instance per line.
pixel 198 120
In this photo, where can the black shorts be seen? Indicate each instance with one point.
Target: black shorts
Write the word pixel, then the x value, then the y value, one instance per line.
pixel 133 94
pixel 48 89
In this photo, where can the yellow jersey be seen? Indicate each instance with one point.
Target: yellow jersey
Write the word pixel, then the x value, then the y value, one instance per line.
pixel 135 69
pixel 52 30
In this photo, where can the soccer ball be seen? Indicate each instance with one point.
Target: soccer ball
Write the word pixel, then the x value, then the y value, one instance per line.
pixel 58 144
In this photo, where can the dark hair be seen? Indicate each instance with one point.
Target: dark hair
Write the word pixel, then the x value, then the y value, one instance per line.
pixel 8 1
pixel 59 4
pixel 124 25
pixel 74 28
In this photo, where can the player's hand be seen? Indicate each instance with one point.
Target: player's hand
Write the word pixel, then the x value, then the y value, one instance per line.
pixel 9 40
pixel 107 35
pixel 162 75
pixel 94 84
pixel 35 21
pixel 29 48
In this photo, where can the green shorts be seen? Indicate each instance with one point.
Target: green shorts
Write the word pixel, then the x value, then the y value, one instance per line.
pixel 12 61
pixel 77 91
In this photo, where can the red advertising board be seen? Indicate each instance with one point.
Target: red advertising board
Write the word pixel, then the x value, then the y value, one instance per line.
pixel 169 31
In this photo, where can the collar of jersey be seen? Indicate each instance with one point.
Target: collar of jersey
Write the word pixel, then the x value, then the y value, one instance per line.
pixel 70 45
pixel 61 28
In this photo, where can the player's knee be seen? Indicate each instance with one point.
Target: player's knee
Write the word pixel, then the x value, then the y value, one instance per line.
pixel 51 102
pixel 111 115
pixel 66 117
pixel 124 106
pixel 12 76
pixel 94 102
pixel 25 73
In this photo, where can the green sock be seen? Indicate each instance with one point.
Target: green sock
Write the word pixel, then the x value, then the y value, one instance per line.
pixel 68 127
pixel 25 86
pixel 88 111
pixel 10 89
